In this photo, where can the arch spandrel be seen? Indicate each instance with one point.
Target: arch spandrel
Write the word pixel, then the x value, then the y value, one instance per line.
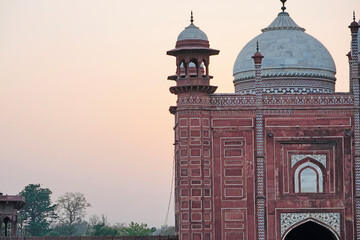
pixel 321 158
pixel 289 220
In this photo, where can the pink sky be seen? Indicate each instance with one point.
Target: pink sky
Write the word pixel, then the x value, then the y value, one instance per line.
pixel 84 97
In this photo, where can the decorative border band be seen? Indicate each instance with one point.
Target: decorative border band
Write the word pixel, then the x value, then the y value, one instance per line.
pixel 250 100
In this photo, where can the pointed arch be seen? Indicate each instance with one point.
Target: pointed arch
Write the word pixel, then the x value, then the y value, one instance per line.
pixel 182 69
pixel 193 68
pixel 310 229
pixel 308 178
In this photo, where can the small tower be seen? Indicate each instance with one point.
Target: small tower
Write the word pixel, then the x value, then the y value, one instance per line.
pixel 193 211
pixel 355 89
pixel 192 54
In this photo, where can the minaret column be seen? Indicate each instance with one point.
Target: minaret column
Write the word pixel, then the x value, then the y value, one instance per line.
pixel 260 157
pixel 350 77
pixel 354 78
pixel 194 200
pixel 354 61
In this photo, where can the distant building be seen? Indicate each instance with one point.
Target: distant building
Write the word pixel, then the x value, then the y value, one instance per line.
pixel 9 205
pixel 280 157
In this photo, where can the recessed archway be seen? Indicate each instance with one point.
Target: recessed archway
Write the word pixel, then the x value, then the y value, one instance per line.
pixel 310 231
pixel 7 226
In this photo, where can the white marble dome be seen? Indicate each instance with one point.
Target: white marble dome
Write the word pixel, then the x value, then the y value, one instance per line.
pixel 192 32
pixel 294 61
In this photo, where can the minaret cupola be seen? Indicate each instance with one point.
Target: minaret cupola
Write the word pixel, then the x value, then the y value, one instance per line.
pixel 192 52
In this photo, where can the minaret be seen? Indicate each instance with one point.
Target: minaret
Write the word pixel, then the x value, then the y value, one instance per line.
pixel 260 157
pixel 258 79
pixel 354 58
pixel 193 192
pixel 192 54
pixel 354 83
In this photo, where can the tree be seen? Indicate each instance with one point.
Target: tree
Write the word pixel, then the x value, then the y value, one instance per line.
pixel 71 208
pixel 136 229
pixel 38 210
pixel 101 227
pixel 62 229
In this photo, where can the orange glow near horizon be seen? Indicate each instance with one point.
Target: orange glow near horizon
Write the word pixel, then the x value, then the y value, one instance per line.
pixel 84 97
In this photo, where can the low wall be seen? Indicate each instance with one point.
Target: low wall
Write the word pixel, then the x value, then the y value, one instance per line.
pixel 94 238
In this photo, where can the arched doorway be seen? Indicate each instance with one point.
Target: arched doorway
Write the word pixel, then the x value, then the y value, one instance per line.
pixel 6 226
pixel 310 231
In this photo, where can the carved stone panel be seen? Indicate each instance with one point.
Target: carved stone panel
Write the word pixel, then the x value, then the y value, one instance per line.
pixel 287 220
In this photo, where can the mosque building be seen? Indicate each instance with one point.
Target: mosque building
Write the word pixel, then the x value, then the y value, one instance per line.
pixel 279 159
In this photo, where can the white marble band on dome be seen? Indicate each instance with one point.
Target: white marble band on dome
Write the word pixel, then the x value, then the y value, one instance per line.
pixel 290 74
pixel 286 82
pixel 287 91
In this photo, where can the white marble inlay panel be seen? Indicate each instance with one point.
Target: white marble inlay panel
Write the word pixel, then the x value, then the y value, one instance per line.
pixel 287 220
pixel 309 182
pixel 321 158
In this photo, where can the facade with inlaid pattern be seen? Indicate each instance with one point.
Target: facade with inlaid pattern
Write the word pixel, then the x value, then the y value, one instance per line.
pixel 278 159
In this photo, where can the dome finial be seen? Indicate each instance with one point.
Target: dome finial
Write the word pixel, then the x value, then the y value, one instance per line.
pixel 283 7
pixel 354 15
pixel 257 56
pixel 191 18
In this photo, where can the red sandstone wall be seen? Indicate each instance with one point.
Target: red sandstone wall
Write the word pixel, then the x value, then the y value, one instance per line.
pixel 309 134
pixel 233 154
pixel 194 193
pixel 215 184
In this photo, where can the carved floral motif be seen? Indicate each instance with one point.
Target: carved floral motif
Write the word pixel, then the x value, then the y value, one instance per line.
pixel 321 158
pixel 287 220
